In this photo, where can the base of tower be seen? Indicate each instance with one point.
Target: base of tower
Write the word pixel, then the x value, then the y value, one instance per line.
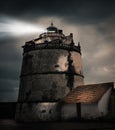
pixel 45 111
pixel 33 112
pixel 83 102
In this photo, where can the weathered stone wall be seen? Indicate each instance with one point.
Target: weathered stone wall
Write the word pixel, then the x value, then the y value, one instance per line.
pixel 33 112
pixel 44 74
pixel 40 61
pixel 50 60
pixel 43 87
pixel 77 62
pixel 78 80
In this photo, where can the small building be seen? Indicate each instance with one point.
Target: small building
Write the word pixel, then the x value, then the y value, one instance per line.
pixel 87 101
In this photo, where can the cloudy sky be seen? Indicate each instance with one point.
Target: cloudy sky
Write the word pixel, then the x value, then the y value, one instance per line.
pixel 91 21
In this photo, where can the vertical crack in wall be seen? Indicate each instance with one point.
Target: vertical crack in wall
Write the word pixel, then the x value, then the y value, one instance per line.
pixel 70 72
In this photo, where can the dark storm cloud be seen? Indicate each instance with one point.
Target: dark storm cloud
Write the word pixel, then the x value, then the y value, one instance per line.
pixel 10 62
pixel 8 90
pixel 83 11
pixel 98 55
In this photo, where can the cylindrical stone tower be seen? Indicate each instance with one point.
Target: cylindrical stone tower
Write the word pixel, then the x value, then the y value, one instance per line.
pixel 51 67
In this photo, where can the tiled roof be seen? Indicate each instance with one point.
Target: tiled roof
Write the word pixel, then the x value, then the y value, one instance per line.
pixel 91 93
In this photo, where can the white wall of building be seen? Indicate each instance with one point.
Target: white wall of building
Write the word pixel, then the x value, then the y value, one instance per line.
pixel 68 111
pixel 104 102
pixel 88 111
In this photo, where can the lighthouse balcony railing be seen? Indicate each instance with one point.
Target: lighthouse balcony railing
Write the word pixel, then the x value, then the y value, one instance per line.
pixel 51 45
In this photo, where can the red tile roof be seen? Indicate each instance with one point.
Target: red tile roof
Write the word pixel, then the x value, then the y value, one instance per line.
pixel 87 93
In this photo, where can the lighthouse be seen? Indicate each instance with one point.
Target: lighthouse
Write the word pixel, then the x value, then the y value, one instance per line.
pixel 51 68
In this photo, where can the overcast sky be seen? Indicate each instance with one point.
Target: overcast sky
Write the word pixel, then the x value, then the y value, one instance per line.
pixel 91 21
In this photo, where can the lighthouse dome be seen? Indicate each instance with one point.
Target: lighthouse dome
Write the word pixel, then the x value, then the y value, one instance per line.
pixel 52 28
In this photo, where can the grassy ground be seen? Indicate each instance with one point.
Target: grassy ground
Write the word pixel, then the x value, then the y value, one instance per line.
pixel 13 125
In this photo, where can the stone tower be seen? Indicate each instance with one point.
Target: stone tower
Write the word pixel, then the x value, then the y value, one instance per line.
pixel 51 67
